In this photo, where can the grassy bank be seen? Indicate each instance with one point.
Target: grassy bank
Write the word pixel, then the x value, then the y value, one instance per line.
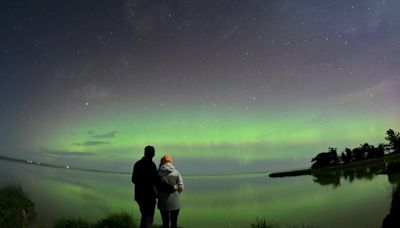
pixel 16 209
pixel 120 220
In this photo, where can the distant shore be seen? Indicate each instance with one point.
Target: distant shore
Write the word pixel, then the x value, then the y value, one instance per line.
pixel 66 167
pixel 381 162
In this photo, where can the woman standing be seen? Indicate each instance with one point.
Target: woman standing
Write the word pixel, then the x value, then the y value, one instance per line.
pixel 168 202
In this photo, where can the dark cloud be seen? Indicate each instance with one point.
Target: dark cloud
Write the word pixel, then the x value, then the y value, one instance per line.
pixel 111 134
pixel 67 153
pixel 92 143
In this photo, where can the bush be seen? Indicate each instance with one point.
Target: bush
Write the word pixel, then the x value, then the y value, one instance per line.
pixel 121 220
pixel 16 209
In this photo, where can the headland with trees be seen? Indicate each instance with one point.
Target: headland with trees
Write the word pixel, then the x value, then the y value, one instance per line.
pixel 365 154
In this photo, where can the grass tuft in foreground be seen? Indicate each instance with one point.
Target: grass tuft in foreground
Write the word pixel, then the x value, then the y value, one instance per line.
pixel 263 223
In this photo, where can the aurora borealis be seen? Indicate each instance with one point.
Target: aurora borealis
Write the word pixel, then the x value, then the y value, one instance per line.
pixel 92 82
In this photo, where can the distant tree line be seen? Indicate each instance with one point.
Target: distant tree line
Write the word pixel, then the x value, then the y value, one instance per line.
pixel 363 152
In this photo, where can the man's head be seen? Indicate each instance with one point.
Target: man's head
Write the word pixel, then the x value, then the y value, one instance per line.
pixel 149 151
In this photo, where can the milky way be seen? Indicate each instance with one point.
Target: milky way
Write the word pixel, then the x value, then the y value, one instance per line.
pixel 240 80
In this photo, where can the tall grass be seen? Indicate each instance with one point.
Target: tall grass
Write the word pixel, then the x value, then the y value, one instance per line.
pixel 263 223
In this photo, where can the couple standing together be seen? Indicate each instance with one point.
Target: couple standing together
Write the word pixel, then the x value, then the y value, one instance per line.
pixel 165 184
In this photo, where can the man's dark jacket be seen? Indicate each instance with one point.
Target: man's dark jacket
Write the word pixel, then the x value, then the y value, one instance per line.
pixel 144 176
pixel 146 179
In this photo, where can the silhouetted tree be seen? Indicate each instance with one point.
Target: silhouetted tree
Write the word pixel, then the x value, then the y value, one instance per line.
pixel 364 151
pixel 346 156
pixel 343 158
pixel 334 156
pixel 369 150
pixel 358 154
pixel 394 141
pixel 325 159
pixel 376 152
pixel 380 150
pixel 321 160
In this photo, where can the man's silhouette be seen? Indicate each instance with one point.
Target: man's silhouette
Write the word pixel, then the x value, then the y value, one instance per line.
pixel 145 178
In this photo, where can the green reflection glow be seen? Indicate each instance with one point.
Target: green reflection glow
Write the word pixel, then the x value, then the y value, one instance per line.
pixel 210 202
pixel 293 202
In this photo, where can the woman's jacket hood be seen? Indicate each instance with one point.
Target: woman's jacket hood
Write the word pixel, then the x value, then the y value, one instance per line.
pixel 166 169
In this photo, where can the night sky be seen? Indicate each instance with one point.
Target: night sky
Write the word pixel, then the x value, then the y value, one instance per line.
pixel 92 82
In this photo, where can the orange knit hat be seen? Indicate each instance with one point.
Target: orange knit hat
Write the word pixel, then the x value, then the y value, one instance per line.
pixel 165 159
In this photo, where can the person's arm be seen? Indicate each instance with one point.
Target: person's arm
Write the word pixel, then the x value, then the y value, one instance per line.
pixel 161 185
pixel 134 179
pixel 165 187
pixel 180 183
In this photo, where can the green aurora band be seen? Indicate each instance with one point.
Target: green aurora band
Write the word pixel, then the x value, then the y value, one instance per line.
pixel 219 133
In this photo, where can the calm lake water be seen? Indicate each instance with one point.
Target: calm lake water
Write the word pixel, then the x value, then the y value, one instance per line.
pixel 211 201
